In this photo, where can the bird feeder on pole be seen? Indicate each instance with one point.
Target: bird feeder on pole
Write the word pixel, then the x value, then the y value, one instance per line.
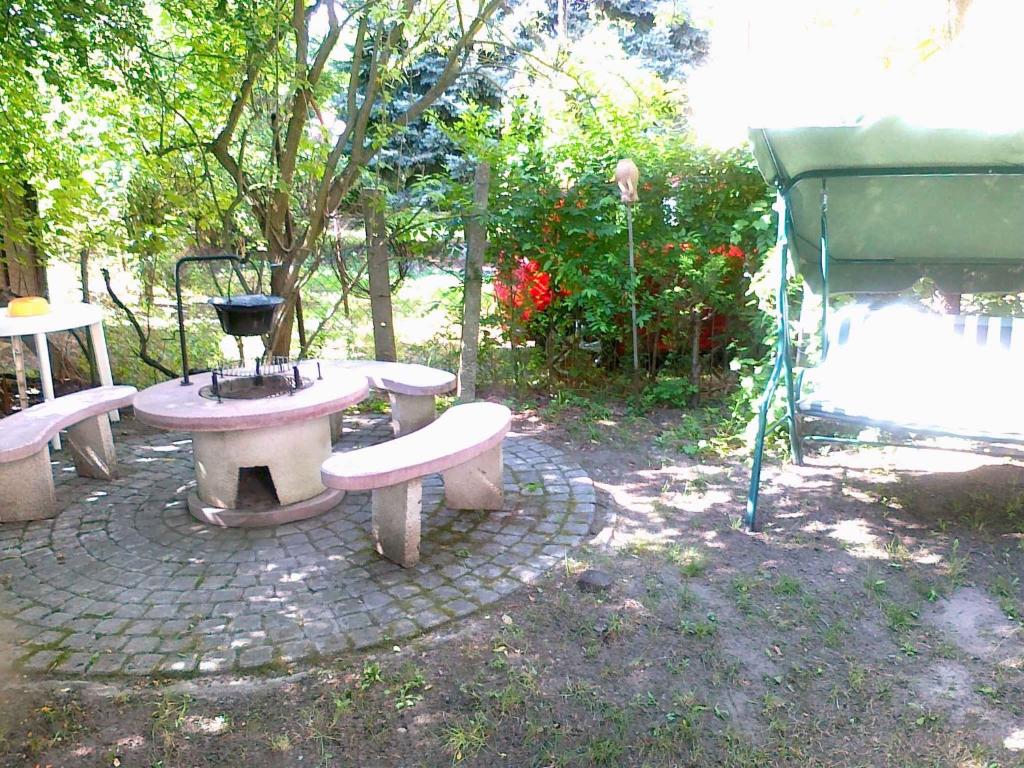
pixel 627 176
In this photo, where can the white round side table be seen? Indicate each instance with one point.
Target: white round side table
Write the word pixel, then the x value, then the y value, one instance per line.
pixel 61 317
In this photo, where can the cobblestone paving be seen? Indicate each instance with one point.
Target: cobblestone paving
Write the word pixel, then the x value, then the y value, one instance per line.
pixel 125 582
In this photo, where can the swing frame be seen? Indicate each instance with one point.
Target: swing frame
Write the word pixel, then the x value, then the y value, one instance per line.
pixel 817 272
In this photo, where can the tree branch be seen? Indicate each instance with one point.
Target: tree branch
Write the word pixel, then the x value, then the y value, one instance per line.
pixel 453 65
pixel 327 46
pixel 143 337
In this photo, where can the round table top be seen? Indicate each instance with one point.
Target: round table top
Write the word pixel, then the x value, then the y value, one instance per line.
pixel 172 406
pixel 61 317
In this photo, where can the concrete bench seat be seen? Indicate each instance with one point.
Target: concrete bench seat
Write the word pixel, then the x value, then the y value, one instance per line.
pixel 464 445
pixel 411 388
pixel 26 480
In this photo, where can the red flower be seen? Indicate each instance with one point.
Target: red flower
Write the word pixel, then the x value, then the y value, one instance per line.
pixel 731 252
pixel 524 286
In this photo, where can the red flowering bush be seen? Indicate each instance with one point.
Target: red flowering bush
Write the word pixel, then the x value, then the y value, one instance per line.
pixel 522 287
pixel 700 228
pixel 715 326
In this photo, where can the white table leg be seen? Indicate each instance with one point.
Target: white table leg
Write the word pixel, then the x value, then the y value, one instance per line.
pixel 99 346
pixel 46 377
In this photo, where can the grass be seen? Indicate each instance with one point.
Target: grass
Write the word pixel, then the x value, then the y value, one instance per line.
pixel 467 736
pixel 787 586
pixel 280 742
pixel 691 562
pixel 899 618
pixel 957 566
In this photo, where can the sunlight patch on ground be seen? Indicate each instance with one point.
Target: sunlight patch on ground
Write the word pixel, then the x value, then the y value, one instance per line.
pixel 628 499
pixel 794 516
pixel 711 540
pixel 954 459
pixel 868 498
pixel 858 539
pixel 208 725
pixel 705 501
pixel 1015 741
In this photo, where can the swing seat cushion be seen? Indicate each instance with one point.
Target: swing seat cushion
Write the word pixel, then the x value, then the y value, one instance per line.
pixel 905 369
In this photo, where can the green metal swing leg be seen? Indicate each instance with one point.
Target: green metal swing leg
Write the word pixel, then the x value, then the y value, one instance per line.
pixel 783 366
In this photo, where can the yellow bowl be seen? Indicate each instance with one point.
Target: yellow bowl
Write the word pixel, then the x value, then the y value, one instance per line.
pixel 28 306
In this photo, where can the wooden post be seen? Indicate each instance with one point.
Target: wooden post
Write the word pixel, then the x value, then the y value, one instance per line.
pixel 476 246
pixel 379 276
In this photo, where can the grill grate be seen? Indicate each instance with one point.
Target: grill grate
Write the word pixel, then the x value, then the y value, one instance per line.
pixel 276 377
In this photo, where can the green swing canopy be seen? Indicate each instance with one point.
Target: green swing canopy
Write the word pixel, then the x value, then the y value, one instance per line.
pixel 903 202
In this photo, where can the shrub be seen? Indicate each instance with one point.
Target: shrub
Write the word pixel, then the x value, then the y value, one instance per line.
pixel 701 227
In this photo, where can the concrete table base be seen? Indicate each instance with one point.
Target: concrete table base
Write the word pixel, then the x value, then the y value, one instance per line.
pixel 272 446
pixel 259 516
pixel 288 455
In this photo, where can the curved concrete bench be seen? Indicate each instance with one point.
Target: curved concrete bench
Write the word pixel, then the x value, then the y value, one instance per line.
pixel 26 481
pixel 464 445
pixel 411 389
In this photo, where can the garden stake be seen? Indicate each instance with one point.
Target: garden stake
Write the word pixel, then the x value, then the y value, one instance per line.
pixel 632 285
pixel 627 176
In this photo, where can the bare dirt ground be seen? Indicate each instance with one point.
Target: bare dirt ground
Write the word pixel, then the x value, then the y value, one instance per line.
pixel 875 621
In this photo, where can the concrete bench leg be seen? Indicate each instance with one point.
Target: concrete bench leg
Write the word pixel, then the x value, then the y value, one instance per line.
pixel 92 446
pixel 396 521
pixel 477 484
pixel 26 489
pixel 411 412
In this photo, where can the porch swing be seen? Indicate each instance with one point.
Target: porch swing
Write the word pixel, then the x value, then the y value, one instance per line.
pixel 871 209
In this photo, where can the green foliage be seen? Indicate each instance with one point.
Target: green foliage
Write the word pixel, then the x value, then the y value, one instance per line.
pixel 554 204
pixel 667 391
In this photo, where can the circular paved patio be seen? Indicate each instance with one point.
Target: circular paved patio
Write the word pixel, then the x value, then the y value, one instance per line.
pixel 125 581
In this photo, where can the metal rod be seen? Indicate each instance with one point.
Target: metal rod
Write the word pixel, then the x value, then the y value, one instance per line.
pixel 824 268
pixel 181 307
pixel 784 329
pixel 787 184
pixel 632 286
pixel 781 367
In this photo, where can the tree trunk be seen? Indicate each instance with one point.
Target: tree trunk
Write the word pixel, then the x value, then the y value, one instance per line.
pixel 379 276
pixel 281 335
pixel 21 269
pixel 476 246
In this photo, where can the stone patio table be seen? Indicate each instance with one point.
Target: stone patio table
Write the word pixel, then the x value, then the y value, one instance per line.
pixel 240 444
